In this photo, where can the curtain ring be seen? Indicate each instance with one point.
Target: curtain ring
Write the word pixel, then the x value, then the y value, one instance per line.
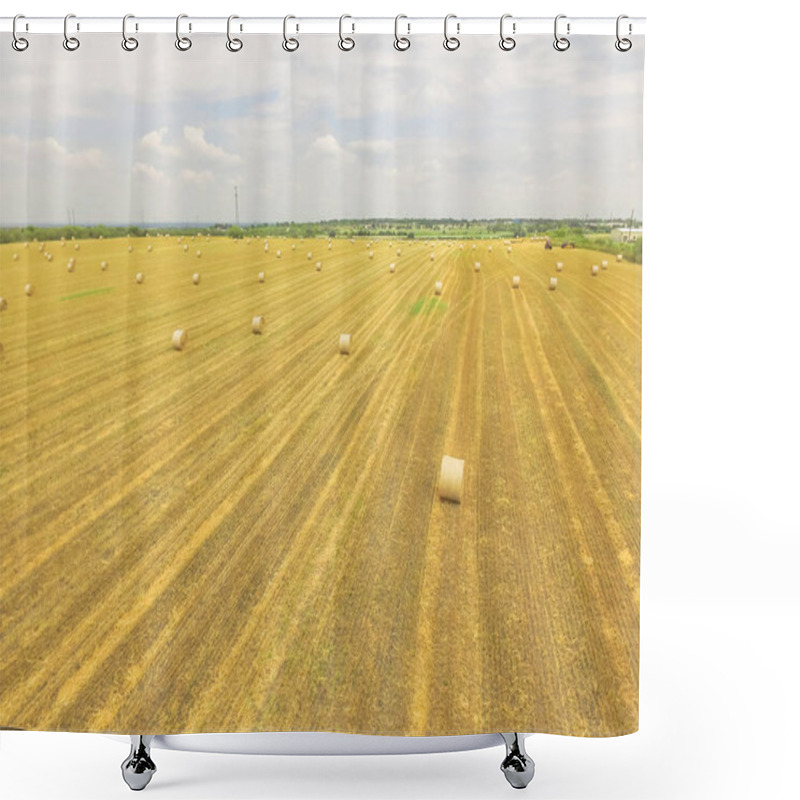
pixel 18 42
pixel 234 45
pixel 401 43
pixel 506 42
pixel 451 42
pixel 183 43
pixel 623 45
pixel 561 43
pixel 71 43
pixel 289 44
pixel 346 43
pixel 129 43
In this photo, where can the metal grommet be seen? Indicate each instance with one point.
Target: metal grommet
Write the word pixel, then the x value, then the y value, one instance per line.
pixel 346 43
pixel 71 43
pixel 561 43
pixel 233 44
pixel 451 42
pixel 183 43
pixel 506 42
pixel 18 42
pixel 289 44
pixel 129 43
pixel 401 43
pixel 623 45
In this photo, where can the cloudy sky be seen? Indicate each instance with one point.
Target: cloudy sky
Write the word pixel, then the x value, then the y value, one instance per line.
pixel 161 136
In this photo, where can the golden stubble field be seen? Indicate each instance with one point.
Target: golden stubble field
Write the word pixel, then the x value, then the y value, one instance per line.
pixel 247 534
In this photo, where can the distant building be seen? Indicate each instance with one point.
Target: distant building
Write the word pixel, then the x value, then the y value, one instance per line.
pixel 626 234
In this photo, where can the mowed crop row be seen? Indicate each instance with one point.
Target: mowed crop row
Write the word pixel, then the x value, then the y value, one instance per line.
pixel 247 534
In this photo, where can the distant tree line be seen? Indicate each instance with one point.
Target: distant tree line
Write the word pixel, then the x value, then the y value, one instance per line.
pixel 585 233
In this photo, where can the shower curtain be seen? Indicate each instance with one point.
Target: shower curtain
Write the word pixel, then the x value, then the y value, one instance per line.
pixel 320 385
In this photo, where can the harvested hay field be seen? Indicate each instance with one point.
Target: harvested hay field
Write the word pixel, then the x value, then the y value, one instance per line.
pixel 264 509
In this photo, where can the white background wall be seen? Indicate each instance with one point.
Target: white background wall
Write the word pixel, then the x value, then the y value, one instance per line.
pixel 721 539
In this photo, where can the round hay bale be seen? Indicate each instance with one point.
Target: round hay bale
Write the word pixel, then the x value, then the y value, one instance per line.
pixel 70 266
pixel 3 304
pixel 319 266
pixel 104 265
pixel 431 256
pixel 391 267
pixel 619 256
pixel 399 251
pixel 258 324
pixel 29 289
pixel 278 254
pixel 179 339
pixel 198 254
pixel 77 246
pixel 139 277
pixel 261 277
pixel 508 249
pixel 130 248
pixel 460 247
pixel 490 248
pixel 437 287
pixel 477 266
pixel 186 248
pixel 329 245
pixel 309 256
pixel 196 278
pixel 451 478
pixel 371 254
pixel 515 282
pixel 294 246
pixel 559 266
pixel 553 284
pixel 48 256
pixel 15 256
pixel 604 264
pixel 344 344
pixel 266 247
pixel 149 248
pixel 595 269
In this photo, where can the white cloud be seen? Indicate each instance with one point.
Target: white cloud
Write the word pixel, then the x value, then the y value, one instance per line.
pixel 51 152
pixel 149 171
pixel 195 138
pixel 202 178
pixel 328 147
pixel 153 142
pixel 376 147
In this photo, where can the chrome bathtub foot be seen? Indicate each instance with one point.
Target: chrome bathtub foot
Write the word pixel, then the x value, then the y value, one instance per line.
pixel 517 766
pixel 138 768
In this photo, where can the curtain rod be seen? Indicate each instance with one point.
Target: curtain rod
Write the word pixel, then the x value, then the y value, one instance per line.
pixel 461 26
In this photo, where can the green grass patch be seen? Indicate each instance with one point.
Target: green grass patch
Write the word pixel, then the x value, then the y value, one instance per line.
pixel 87 293
pixel 428 304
